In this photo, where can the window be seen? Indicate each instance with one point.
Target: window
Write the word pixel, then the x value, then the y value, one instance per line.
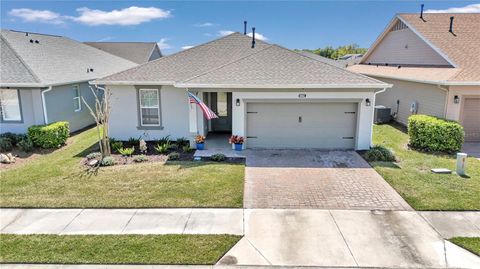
pixel 149 107
pixel 77 104
pixel 222 104
pixel 10 105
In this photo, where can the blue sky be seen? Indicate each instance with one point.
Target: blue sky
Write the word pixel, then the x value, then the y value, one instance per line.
pixel 179 24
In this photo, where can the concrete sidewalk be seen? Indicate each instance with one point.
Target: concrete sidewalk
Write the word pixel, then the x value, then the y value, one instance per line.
pixel 121 221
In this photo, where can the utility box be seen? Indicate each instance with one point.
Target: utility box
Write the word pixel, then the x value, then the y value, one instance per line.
pixel 382 114
pixel 461 163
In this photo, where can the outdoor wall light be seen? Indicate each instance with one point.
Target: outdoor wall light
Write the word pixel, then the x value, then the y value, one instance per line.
pixel 456 99
pixel 237 102
pixel 367 102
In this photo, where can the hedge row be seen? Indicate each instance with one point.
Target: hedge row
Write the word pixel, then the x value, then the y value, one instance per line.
pixel 52 135
pixel 429 133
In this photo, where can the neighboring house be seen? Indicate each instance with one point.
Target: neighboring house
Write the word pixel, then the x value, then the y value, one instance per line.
pixel 321 58
pixel 434 65
pixel 137 52
pixel 44 77
pixel 273 96
pixel 349 59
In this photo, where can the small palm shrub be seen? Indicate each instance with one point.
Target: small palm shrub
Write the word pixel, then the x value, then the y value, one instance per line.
pixel 182 141
pixel 380 154
pixel 162 148
pixel 164 140
pixel 140 158
pixel 132 141
pixel 173 156
pixel 116 145
pixel 25 145
pixel 219 157
pixel 126 151
pixel 108 161
pixel 93 155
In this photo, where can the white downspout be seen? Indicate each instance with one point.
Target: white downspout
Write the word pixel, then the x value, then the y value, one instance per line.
pixel 373 113
pixel 447 98
pixel 44 105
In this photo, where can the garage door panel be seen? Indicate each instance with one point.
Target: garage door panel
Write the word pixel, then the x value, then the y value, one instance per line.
pixel 301 125
pixel 471 119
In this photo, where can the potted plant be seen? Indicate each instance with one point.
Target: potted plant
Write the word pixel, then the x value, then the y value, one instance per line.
pixel 200 141
pixel 237 141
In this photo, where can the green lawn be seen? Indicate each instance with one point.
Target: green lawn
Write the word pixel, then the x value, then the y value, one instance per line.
pixel 115 249
pixel 472 244
pixel 59 180
pixel 422 189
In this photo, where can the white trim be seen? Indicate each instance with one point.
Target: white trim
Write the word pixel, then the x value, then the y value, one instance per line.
pixel 17 92
pixel 129 82
pixel 77 88
pixel 140 106
pixel 44 105
pixel 437 82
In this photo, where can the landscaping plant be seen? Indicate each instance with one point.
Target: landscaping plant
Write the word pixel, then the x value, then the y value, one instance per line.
pixel 199 139
pixel 116 145
pixel 380 154
pixel 101 114
pixel 94 155
pixel 219 157
pixel 53 135
pixel 164 140
pixel 236 139
pixel 5 144
pixel 429 133
pixel 187 149
pixel 162 148
pixel 140 158
pixel 107 161
pixel 173 156
pixel 132 141
pixel 126 151
pixel 182 141
pixel 25 145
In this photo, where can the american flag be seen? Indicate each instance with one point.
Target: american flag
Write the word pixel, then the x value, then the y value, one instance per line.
pixel 207 112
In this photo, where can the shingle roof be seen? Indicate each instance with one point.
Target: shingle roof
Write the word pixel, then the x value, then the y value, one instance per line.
pixel 54 60
pixel 137 52
pixel 322 59
pixel 230 60
pixel 278 67
pixel 461 48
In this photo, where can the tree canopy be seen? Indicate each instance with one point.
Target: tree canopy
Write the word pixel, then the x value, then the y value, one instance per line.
pixel 335 53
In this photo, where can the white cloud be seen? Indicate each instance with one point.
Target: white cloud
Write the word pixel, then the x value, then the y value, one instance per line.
pixel 163 45
pixel 258 36
pixel 205 24
pixel 128 16
pixel 32 15
pixel 474 8
pixel 187 47
pixel 225 32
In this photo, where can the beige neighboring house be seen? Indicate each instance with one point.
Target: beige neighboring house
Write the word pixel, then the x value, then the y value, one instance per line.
pixel 433 70
pixel 137 52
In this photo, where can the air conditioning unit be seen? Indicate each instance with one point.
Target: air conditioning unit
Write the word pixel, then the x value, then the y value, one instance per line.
pixel 382 114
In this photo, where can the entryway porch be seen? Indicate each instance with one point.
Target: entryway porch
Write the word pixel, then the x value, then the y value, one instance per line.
pixel 217 143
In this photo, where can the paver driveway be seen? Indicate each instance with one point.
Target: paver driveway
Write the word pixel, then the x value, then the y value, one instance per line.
pixel 316 179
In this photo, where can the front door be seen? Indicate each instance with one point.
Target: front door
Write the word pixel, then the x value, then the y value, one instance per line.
pixel 221 104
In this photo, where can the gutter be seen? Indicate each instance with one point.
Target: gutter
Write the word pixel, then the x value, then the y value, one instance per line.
pixel 44 106
pixel 436 82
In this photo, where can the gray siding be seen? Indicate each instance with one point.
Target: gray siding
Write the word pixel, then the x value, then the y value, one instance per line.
pixel 60 106
pixel 32 113
pixel 404 47
pixel 430 99
pixel 155 54
pixel 124 114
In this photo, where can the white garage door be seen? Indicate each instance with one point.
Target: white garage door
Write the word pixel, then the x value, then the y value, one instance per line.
pixel 471 119
pixel 301 125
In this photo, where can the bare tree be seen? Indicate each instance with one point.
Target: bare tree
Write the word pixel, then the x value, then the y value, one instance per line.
pixel 101 114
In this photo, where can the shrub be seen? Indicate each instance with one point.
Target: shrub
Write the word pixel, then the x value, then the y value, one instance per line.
pixel 219 157
pixel 182 141
pixel 126 151
pixel 93 155
pixel 172 146
pixel 164 140
pixel 132 141
pixel 162 148
pixel 173 156
pixel 187 149
pixel 25 145
pixel 14 138
pixel 380 154
pixel 108 161
pixel 429 133
pixel 5 144
pixel 116 145
pixel 140 158
pixel 52 135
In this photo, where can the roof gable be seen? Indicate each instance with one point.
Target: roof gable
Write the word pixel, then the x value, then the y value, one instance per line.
pixel 137 52
pixel 56 60
pixel 13 69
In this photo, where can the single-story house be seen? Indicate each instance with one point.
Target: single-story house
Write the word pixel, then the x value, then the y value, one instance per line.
pixel 433 63
pixel 272 96
pixel 44 77
pixel 137 52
